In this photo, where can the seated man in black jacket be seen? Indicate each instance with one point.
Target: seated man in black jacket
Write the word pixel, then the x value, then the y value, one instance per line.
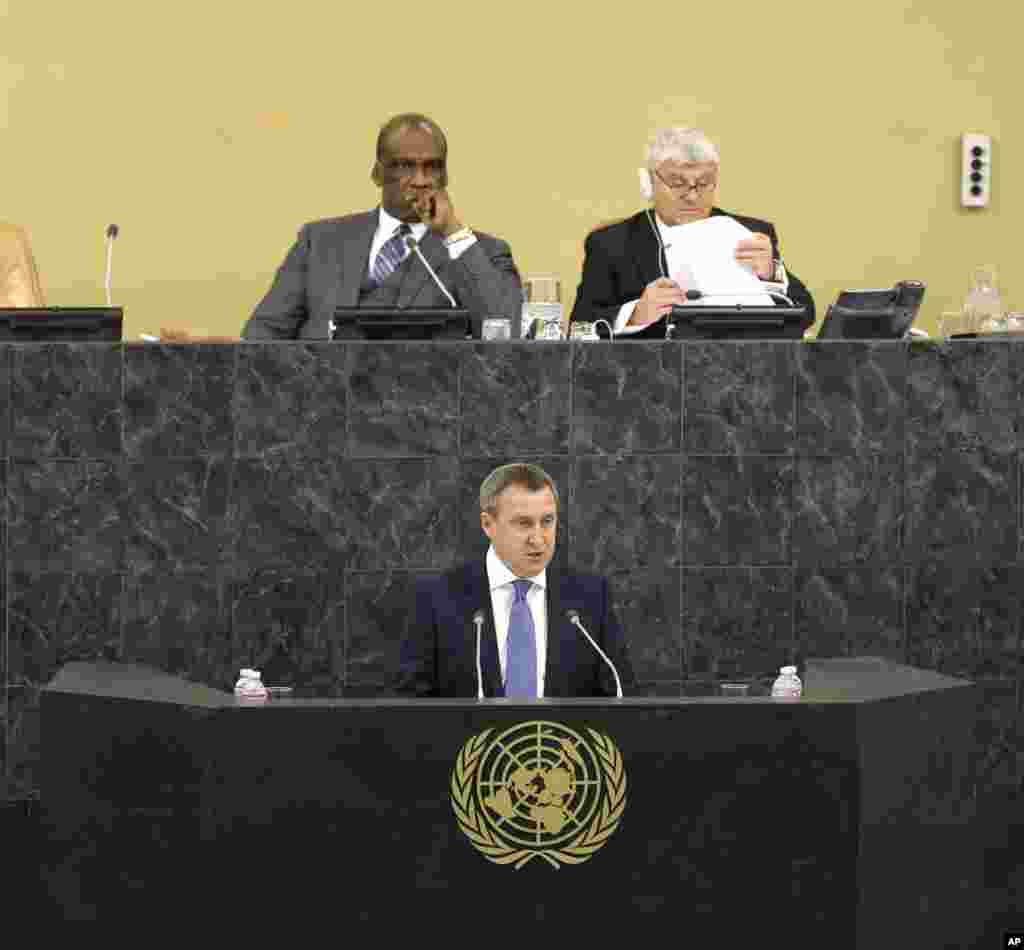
pixel 626 271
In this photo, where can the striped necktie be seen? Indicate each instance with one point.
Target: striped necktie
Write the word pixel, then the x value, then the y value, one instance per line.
pixel 391 254
pixel 521 646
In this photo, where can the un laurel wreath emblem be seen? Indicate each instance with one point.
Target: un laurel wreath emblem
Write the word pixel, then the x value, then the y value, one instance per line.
pixel 538 790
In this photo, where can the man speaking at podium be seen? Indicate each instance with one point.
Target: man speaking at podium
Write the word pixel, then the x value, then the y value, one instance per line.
pixel 366 259
pixel 635 271
pixel 509 625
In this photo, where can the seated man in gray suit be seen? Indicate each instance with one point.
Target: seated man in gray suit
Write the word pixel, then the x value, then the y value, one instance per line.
pixel 364 259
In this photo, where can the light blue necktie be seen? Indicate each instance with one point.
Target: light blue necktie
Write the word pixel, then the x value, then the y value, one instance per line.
pixel 391 254
pixel 521 646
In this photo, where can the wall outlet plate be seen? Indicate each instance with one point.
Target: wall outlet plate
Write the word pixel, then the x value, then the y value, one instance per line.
pixel 975 170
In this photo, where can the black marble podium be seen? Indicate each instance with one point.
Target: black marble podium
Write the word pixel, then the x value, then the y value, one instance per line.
pixel 743 817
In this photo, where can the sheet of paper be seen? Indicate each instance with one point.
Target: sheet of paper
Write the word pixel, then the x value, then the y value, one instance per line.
pixel 701 255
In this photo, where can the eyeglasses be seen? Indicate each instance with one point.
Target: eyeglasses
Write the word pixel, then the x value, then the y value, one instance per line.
pixel 683 188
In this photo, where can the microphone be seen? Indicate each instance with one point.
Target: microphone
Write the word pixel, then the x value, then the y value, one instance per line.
pixel 478 619
pixel 574 618
pixel 414 246
pixel 112 231
pixel 700 295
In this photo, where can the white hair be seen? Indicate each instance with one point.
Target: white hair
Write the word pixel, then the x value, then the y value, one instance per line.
pixel 676 144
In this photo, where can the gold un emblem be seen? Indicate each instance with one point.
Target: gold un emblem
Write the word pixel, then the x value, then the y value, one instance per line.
pixel 538 790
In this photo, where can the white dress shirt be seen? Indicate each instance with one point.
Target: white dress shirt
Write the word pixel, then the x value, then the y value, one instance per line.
pixel 667 232
pixel 387 224
pixel 500 580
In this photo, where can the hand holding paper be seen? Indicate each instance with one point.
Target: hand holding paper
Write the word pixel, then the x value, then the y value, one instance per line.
pixel 706 255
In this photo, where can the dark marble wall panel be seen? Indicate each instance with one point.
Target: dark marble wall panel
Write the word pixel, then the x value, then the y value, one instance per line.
pixel 401 513
pixel 737 510
pixel 54 618
pixel 515 400
pixel 63 515
pixel 66 401
pixel 472 542
pixel 378 606
pixel 405 400
pixel 626 513
pixel 963 395
pixel 291 399
pixel 963 619
pixel 738 399
pixel 851 398
pixel 737 621
pixel 6 357
pixel 178 399
pixel 850 611
pixel 332 513
pixel 291 627
pixel 626 399
pixel 848 509
pixel 285 513
pixel 964 503
pixel 181 623
pixel 175 515
pixel 648 606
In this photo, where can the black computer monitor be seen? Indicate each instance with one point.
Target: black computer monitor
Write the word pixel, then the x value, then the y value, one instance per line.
pixel 408 323
pixel 877 314
pixel 60 324
pixel 738 322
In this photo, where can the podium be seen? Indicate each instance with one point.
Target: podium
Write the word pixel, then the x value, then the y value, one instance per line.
pixel 840 819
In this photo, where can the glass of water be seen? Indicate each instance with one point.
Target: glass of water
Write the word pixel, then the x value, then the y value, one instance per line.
pixel 496 328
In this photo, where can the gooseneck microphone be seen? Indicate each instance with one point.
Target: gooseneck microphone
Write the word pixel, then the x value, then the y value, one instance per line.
pixel 701 295
pixel 574 618
pixel 414 246
pixel 112 232
pixel 478 619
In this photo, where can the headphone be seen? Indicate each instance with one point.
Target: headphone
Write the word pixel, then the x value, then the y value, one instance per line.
pixel 646 184
pixel 662 256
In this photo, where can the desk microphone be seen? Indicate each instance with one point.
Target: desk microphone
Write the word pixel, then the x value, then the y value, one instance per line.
pixel 574 618
pixel 478 619
pixel 700 295
pixel 112 231
pixel 414 246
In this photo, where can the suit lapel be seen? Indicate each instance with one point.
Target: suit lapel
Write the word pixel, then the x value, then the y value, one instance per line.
pixel 646 249
pixel 415 274
pixel 561 640
pixel 354 238
pixel 477 594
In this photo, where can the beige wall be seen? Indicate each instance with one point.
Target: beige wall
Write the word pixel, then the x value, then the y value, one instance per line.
pixel 210 131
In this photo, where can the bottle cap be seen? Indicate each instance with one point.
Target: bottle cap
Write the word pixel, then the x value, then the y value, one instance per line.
pixel 788 670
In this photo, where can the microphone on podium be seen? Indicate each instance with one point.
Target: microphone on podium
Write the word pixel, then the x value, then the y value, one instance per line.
pixel 112 232
pixel 414 246
pixel 693 294
pixel 573 617
pixel 478 619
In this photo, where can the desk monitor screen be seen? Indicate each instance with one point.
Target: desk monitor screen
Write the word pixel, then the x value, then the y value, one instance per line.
pixel 60 324
pixel 738 322
pixel 409 323
pixel 882 314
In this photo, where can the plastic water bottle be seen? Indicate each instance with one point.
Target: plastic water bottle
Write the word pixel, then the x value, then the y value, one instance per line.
pixel 250 685
pixel 983 306
pixel 788 685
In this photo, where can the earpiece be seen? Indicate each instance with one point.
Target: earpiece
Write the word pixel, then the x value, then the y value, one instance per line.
pixel 662 256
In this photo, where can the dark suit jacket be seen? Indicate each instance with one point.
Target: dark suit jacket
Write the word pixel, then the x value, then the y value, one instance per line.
pixel 438 656
pixel 623 258
pixel 329 260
